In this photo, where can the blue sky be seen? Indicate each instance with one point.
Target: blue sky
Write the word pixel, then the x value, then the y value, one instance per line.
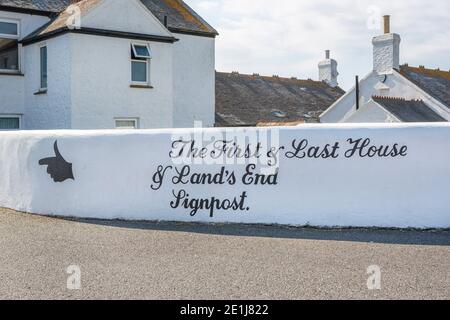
pixel 289 37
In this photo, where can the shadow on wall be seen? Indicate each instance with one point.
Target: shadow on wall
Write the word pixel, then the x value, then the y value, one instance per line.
pixel 376 236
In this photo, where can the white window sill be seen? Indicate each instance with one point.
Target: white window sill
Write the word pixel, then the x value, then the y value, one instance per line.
pixel 141 86
pixel 11 73
pixel 40 91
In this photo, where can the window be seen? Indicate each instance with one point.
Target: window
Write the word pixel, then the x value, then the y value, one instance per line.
pixel 141 51
pixel 43 59
pixel 140 60
pixel 9 122
pixel 9 46
pixel 131 123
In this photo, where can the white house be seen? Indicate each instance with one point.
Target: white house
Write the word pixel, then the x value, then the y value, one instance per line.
pixel 392 92
pixel 99 64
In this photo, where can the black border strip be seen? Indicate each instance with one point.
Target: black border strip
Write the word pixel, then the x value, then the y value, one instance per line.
pixel 193 33
pixel 98 32
pixel 28 11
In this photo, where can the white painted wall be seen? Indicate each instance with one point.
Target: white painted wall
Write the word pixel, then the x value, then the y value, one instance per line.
pixel 12 94
pixel 53 109
pixel 124 15
pixel 12 88
pixel 372 112
pixel 386 52
pixel 101 79
pixel 194 81
pixel 28 22
pixel 114 172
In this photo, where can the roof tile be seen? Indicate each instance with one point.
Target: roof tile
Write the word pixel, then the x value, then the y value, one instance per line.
pixel 251 99
pixel 434 82
pixel 409 110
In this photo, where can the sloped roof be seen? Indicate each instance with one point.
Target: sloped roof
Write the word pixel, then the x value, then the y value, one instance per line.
pixel 180 17
pixel 38 5
pixel 251 99
pixel 61 19
pixel 434 82
pixel 409 110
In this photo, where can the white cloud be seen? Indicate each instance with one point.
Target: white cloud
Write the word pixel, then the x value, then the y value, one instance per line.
pixel 288 37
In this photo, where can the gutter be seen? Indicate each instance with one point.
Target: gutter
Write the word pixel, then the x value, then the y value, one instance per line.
pixel 98 32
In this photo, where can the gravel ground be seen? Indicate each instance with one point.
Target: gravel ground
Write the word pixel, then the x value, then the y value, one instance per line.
pixel 149 260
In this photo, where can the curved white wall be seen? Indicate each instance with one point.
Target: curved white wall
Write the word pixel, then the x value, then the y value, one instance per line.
pixel 114 173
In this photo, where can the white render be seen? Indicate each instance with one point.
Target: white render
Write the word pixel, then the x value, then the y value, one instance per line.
pixel 194 83
pixel 12 88
pixel 386 52
pixel 328 71
pixel 372 112
pixel 89 76
pixel 113 173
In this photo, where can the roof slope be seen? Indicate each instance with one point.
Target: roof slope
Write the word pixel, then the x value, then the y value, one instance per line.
pixel 180 17
pixel 60 22
pixel 39 5
pixel 434 82
pixel 248 100
pixel 409 110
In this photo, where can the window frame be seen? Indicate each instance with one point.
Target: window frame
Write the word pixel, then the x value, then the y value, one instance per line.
pixel 18 116
pixel 133 47
pixel 147 77
pixel 43 45
pixel 12 37
pixel 140 59
pixel 135 120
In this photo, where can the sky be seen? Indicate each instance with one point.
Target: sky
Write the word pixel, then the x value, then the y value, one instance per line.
pixel 289 37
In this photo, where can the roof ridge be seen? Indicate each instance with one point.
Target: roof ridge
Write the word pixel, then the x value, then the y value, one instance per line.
pixel 427 71
pixel 395 99
pixel 273 77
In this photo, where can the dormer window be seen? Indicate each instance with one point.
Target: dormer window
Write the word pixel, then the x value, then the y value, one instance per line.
pixel 140 64
pixel 9 46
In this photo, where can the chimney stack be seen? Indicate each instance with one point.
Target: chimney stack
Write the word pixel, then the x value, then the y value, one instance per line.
pixel 328 70
pixel 386 49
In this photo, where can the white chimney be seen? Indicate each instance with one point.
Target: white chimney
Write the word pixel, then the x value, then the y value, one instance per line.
pixel 386 49
pixel 328 70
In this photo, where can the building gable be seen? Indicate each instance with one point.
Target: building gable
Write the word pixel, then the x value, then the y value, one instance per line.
pixel 179 16
pixel 125 16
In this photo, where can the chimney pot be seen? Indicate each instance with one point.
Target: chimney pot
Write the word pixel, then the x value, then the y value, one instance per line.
pixel 387 24
pixel 327 54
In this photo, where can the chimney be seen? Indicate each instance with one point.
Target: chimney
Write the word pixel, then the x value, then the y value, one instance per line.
pixel 386 49
pixel 328 70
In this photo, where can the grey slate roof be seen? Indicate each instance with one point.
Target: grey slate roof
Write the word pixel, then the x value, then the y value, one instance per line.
pixel 434 82
pixel 247 100
pixel 181 18
pixel 40 5
pixel 409 110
